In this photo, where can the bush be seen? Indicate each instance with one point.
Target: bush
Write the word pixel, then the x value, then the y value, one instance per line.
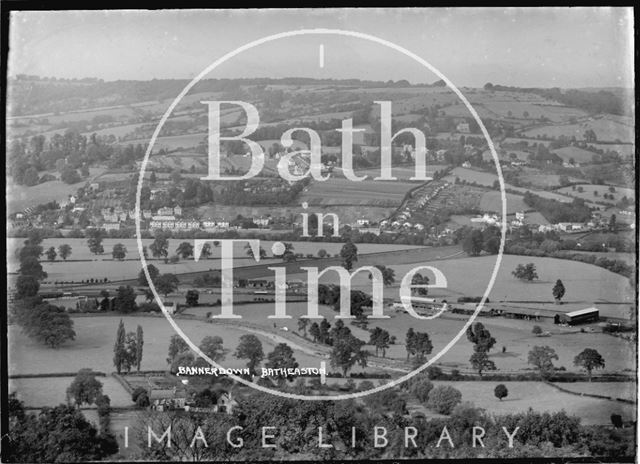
pixel 537 330
pixel 137 392
pixel 471 299
pixel 434 373
pixel 421 389
pixel 443 399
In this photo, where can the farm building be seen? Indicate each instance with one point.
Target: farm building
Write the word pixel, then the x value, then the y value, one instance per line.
pixel 578 317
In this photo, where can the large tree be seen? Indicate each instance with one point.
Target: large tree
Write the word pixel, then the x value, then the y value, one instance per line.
pixel 119 251
pixel 480 337
pixel 166 283
pixel 85 388
pixel 47 324
pixel 388 274
pixel 94 241
pixel 281 358
pixel 160 246
pixel 525 272
pixel 473 242
pixel 481 362
pixel 185 250
pixel 558 291
pixel 26 286
pixel 347 352
pixel 51 254
pixel 213 347
pixel 153 273
pixel 589 359
pixel 349 255
pixel 119 353
pixel 542 358
pixel 250 348
pixel 139 346
pixel 176 346
pixel 64 251
pixel 125 299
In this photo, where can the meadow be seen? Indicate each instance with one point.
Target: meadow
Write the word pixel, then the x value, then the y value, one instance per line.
pixel 336 191
pixel 492 201
pixel 589 189
pixel 541 398
pixel 606 128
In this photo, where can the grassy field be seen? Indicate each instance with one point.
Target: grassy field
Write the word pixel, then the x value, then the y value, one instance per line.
pixel 607 128
pixel 585 284
pixel 403 173
pixel 51 391
pixel 542 397
pixel 492 201
pixel 488 178
pixel 95 337
pixel 576 154
pixel 589 189
pixel 20 197
pixel 101 266
pixel 337 191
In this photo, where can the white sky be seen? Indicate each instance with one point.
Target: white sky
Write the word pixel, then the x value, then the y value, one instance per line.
pixel 546 47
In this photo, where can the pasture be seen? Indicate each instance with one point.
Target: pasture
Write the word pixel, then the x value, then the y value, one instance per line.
pixel 51 391
pixel 337 191
pixel 575 154
pixel 101 266
pixel 487 179
pixel 95 336
pixel 589 189
pixel 542 398
pixel 492 202
pixel 607 128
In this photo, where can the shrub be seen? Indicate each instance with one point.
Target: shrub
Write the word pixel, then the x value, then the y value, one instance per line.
pixel 443 399
pixel 137 392
pixel 434 372
pixel 537 330
pixel 421 389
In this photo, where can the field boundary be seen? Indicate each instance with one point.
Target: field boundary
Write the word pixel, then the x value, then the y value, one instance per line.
pixel 57 374
pixel 590 395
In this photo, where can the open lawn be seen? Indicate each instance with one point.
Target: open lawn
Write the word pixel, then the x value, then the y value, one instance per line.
pixel 542 397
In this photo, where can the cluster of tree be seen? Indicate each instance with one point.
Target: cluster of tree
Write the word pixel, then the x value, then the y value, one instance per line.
pixel 58 434
pixel 603 101
pixel 526 272
pixel 542 358
pixel 556 211
pixel 418 344
pixel 127 350
pixel 541 435
pixel 482 344
pixel 44 322
pixel 475 241
pixel 67 153
pixel 179 353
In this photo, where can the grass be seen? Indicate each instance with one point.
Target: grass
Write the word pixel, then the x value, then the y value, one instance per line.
pixel 96 335
pixel 51 391
pixel 542 397
pixel 607 128
pixel 487 179
pixel 492 201
pixel 336 191
pixel 588 189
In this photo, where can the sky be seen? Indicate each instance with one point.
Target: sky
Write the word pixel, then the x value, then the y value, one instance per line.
pixel 541 47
